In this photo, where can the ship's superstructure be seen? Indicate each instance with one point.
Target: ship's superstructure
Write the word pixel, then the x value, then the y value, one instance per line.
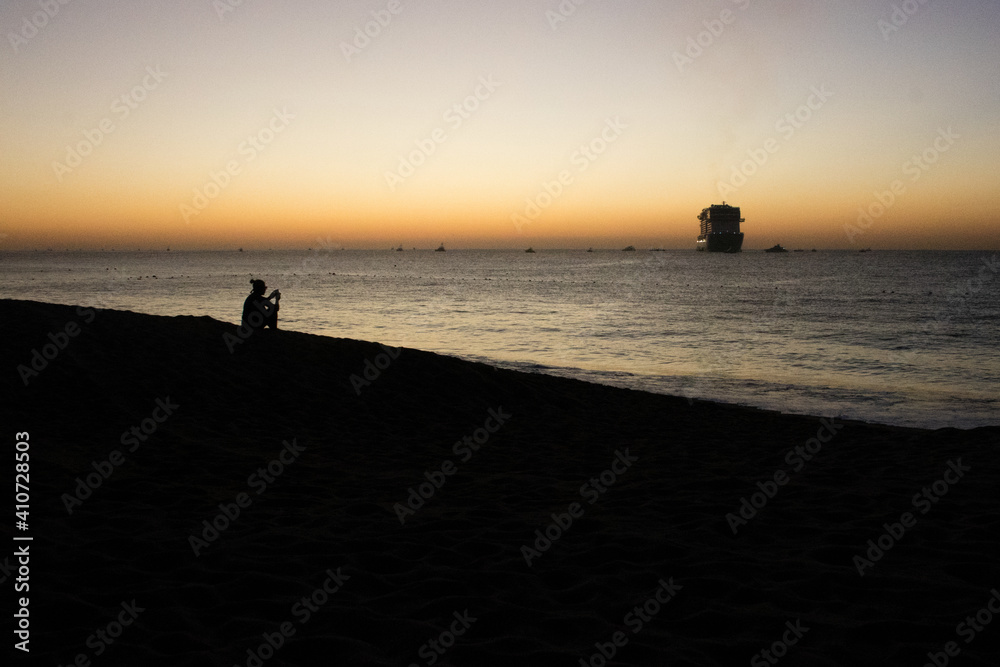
pixel 720 229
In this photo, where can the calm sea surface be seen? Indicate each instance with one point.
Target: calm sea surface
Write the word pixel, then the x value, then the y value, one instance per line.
pixel 897 337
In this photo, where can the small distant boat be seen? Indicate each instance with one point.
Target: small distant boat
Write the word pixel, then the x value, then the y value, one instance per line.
pixel 777 248
pixel 813 250
pixel 440 248
pixel 798 250
pixel 531 250
pixel 630 248
pixel 400 248
pixel 590 250
pixel 241 249
pixel 865 250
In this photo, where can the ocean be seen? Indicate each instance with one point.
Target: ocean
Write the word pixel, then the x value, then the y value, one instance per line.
pixel 907 338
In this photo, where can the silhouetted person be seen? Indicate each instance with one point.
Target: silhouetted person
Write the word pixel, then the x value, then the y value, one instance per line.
pixel 258 311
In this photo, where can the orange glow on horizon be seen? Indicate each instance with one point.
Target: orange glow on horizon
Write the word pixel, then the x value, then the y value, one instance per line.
pixel 533 136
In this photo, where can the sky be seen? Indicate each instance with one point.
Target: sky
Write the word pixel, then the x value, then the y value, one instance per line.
pixel 545 123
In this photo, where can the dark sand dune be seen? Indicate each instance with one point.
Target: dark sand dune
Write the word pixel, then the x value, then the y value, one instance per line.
pixel 328 517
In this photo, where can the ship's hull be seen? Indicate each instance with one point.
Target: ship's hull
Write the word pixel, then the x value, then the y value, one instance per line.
pixel 721 242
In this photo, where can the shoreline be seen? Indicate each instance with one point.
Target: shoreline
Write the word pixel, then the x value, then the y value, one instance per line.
pixel 401 494
pixel 724 389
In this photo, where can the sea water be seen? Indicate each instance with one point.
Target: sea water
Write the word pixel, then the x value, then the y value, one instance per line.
pixel 897 337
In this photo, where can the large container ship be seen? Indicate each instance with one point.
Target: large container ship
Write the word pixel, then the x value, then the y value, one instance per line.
pixel 720 229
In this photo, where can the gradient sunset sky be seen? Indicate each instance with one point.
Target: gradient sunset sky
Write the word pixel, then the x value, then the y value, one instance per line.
pixel 197 124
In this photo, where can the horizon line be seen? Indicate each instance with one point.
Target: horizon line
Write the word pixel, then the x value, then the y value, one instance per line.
pixel 520 249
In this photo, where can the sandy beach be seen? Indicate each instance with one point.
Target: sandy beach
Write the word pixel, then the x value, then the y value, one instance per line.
pixel 200 498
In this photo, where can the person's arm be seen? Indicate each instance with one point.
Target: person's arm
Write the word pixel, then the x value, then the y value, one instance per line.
pixel 263 306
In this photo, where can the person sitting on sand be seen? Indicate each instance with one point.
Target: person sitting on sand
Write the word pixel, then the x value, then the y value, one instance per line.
pixel 258 311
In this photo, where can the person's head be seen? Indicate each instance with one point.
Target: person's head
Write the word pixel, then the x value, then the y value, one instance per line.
pixel 258 286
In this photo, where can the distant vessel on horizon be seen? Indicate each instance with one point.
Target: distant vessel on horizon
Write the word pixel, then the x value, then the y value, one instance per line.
pixel 720 229
pixel 777 248
pixel 440 248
